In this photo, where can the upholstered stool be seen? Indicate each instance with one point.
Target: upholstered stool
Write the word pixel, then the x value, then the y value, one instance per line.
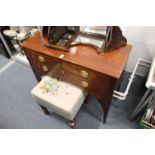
pixel 59 97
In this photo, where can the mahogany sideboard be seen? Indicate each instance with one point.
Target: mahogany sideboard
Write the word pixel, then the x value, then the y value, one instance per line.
pixel 81 65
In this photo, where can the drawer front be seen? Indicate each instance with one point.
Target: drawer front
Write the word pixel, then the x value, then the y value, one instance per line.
pixel 43 63
pixel 77 71
pixel 40 63
pixel 81 72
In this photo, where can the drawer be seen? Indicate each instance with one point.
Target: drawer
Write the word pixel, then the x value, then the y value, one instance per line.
pixel 43 58
pixel 77 71
pixel 43 63
pixel 81 72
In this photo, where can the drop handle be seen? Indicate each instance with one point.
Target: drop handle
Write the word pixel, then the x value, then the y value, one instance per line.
pixel 84 84
pixel 45 68
pixel 41 58
pixel 84 74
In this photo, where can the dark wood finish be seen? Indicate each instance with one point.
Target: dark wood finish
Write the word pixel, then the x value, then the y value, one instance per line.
pixel 45 110
pixel 71 123
pixel 101 71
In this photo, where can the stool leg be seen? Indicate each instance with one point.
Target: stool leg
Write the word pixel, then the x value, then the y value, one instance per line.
pixel 45 110
pixel 71 123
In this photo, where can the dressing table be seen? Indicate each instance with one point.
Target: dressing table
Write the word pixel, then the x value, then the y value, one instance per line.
pixel 81 66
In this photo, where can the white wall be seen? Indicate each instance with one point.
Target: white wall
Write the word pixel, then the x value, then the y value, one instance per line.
pixel 143 40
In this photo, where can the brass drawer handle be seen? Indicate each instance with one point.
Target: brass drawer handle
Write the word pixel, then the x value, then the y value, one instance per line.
pixel 41 58
pixel 85 84
pixel 45 68
pixel 84 74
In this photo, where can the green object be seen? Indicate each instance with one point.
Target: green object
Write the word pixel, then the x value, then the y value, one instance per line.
pixel 143 123
pixel 50 85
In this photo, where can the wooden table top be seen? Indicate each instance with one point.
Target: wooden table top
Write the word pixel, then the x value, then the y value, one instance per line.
pixel 111 63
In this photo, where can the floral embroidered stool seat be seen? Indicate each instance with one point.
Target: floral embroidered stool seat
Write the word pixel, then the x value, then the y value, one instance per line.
pixel 59 97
